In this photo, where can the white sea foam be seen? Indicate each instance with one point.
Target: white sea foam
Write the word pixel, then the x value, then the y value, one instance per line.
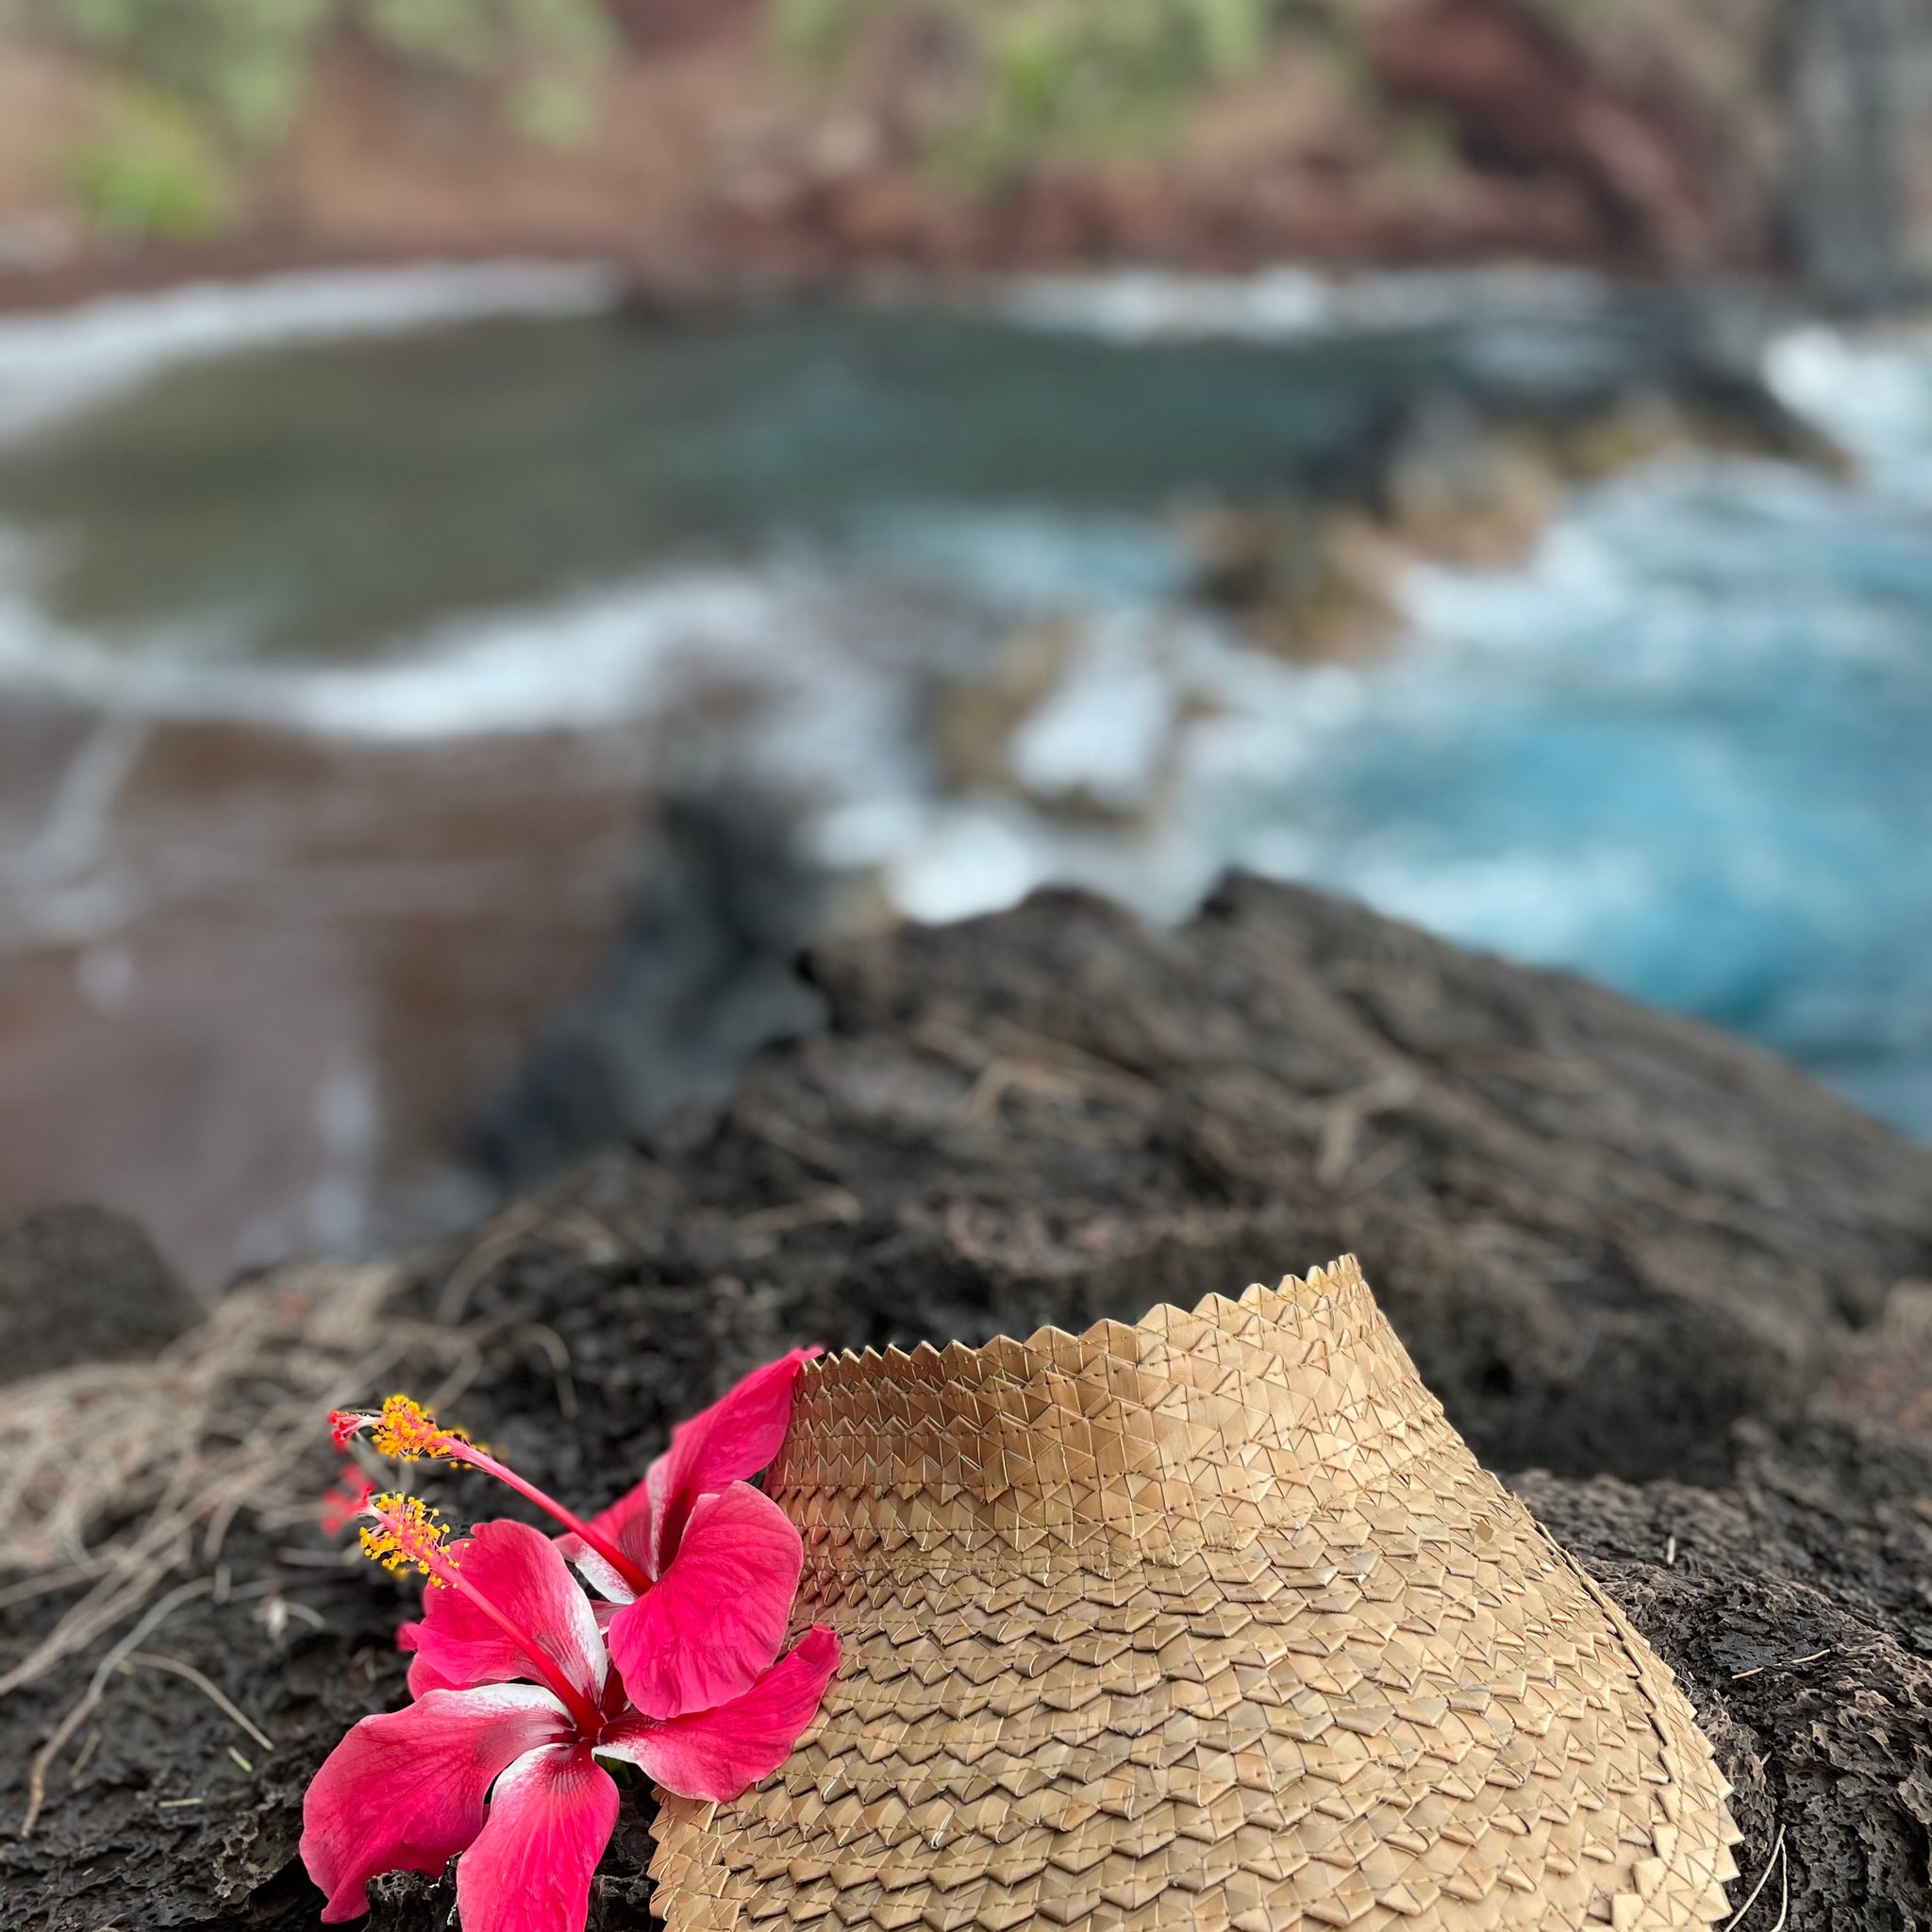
pixel 1106 732
pixel 54 364
pixel 1871 392
pixel 579 662
pixel 1287 303
pixel 1541 906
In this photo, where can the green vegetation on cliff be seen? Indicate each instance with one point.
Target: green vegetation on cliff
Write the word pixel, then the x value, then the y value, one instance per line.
pixel 1045 79
pixel 199 88
pixel 1030 79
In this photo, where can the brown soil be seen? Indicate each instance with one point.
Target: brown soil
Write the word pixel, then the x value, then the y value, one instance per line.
pixel 1663 1267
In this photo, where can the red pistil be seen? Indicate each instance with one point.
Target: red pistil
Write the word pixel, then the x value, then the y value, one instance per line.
pixel 630 1571
pixel 344 1503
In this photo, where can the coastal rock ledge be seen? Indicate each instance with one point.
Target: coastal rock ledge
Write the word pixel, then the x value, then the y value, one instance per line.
pixel 1681 1297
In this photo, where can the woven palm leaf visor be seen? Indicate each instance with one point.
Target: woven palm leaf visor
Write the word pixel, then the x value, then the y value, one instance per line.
pixel 1213 1622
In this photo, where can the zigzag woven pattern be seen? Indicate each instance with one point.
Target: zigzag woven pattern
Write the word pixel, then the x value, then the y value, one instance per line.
pixel 1209 1622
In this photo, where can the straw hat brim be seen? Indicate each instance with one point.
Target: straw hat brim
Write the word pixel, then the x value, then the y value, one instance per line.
pixel 1209 1622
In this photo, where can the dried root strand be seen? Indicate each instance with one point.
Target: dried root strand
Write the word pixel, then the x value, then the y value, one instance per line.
pixel 123 1475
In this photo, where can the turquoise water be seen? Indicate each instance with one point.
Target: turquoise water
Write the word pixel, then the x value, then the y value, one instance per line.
pixel 1689 750
pixel 325 502
pixel 1684 749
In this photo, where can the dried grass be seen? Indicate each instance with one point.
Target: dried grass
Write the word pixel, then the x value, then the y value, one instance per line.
pixel 121 1475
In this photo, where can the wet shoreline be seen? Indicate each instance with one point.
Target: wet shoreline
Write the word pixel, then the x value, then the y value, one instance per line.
pixel 256 989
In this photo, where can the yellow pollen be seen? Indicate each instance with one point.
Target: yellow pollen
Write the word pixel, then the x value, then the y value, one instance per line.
pixel 405 1432
pixel 407 1536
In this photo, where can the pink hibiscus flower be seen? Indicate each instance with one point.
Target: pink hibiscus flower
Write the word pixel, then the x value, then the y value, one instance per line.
pixel 514 1704
pixel 710 1565
pixel 702 1569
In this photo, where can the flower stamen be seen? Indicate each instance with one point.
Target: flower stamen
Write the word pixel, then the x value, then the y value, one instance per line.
pixel 405 1431
pixel 402 1430
pixel 404 1533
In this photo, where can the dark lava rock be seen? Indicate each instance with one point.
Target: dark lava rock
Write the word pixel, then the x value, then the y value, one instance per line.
pixel 703 976
pixel 78 1283
pixel 1660 1266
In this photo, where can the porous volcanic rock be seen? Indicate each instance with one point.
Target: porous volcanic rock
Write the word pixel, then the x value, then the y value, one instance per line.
pixel 78 1283
pixel 1661 1269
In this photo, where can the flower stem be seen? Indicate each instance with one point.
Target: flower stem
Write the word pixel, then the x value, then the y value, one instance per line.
pixel 631 1573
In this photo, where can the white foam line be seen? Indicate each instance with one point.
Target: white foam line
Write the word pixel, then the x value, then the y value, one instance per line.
pixel 54 364
pixel 1871 393
pixel 601 656
pixel 1284 303
pixel 72 838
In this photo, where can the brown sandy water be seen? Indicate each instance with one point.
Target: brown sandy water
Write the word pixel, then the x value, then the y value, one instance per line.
pixel 254 987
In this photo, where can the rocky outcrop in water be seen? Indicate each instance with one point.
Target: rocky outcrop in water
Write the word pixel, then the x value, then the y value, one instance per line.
pixel 1658 1267
pixel 1470 469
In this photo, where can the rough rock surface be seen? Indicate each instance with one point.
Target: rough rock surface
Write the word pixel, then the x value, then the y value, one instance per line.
pixel 1666 1271
pixel 77 1283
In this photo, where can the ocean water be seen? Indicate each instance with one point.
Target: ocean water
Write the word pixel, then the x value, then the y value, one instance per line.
pixel 1686 747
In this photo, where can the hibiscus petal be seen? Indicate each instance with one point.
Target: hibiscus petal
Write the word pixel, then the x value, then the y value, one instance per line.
pixel 404 1792
pixel 718 1755
pixel 626 1524
pixel 717 1616
pixel 738 1436
pixel 551 1815
pixel 518 1569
